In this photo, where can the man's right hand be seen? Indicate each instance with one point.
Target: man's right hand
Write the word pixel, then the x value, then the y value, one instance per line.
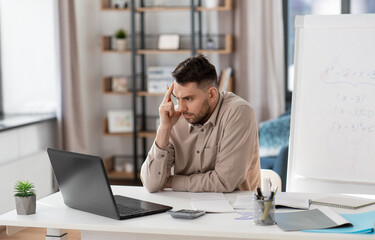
pixel 168 118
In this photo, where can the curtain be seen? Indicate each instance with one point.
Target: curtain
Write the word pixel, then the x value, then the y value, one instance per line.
pixel 70 115
pixel 258 58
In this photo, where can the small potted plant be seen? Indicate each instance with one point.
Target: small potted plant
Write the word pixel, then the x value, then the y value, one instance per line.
pixel 121 40
pixel 25 197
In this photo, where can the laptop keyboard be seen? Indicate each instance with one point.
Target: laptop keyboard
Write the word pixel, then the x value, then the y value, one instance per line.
pixel 124 210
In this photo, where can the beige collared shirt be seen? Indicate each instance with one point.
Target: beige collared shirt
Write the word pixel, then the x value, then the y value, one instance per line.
pixel 220 156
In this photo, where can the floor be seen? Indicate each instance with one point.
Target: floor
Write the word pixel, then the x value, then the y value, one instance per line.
pixel 36 234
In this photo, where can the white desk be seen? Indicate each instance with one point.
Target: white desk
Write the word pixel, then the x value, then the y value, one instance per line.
pixel 53 214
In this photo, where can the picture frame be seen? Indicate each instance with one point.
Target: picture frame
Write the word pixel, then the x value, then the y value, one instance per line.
pixel 120 121
pixel 119 84
pixel 169 41
pixel 158 78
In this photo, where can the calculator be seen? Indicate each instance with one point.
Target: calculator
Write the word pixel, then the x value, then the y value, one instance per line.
pixel 186 213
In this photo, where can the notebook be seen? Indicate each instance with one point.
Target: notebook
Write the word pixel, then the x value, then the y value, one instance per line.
pixel 84 185
pixel 318 218
pixel 343 202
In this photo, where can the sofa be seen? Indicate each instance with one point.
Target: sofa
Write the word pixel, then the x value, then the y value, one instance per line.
pixel 274 145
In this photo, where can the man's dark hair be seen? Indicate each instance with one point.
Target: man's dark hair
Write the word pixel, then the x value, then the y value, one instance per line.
pixel 196 69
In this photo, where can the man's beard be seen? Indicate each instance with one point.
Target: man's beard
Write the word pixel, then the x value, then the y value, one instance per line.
pixel 202 117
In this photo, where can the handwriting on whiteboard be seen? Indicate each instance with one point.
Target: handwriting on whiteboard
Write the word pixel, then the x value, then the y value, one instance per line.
pixel 353 114
pixel 335 74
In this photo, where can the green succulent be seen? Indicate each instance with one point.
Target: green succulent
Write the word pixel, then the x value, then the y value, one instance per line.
pixel 121 34
pixel 24 189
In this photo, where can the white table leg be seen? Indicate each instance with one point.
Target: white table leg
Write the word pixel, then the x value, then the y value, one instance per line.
pixel 56 234
pixel 10 230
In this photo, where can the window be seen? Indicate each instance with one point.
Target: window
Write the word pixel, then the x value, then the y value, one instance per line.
pixel 29 56
pixel 302 7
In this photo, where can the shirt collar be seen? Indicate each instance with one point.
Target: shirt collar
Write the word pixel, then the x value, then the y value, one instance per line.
pixel 213 118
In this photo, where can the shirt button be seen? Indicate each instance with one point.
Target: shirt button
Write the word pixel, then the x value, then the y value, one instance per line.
pixel 198 152
pixel 159 173
pixel 202 130
pixel 162 155
pixel 199 171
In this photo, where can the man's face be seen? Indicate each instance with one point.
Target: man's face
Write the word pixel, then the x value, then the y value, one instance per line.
pixel 193 102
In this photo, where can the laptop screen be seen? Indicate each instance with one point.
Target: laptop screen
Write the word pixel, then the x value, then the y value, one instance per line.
pixel 83 182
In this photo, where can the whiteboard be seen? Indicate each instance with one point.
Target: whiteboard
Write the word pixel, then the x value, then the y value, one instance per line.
pixel 332 145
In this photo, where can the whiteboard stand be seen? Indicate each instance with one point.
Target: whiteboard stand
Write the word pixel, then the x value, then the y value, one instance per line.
pixel 332 144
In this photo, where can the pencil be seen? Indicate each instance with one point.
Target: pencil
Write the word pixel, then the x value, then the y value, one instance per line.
pixel 170 99
pixel 268 204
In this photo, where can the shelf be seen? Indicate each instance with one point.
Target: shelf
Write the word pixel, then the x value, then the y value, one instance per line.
pixel 161 9
pixel 105 130
pixel 228 48
pixel 106 6
pixel 225 47
pixel 140 44
pixel 116 175
pixel 147 134
pixel 106 45
pixel 145 93
pixel 107 89
pixel 142 134
pixel 157 51
pixel 226 7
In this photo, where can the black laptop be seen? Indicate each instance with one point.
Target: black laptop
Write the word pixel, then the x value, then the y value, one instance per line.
pixel 84 186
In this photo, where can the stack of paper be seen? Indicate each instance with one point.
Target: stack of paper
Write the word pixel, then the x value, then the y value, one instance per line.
pixel 210 202
pixel 285 200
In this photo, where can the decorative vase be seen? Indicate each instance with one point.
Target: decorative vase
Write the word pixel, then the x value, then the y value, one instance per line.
pixel 212 3
pixel 25 205
pixel 121 44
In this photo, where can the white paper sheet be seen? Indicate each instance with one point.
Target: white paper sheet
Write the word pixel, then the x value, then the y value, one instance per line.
pixel 210 202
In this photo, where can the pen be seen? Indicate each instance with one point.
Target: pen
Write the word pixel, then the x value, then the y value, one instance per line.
pixel 268 205
pixel 170 99
pixel 260 194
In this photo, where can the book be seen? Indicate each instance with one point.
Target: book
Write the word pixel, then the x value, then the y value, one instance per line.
pixel 319 218
pixel 348 202
pixel 158 79
pixel 225 82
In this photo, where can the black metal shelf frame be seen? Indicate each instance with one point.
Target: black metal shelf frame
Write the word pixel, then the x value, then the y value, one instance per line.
pixel 142 59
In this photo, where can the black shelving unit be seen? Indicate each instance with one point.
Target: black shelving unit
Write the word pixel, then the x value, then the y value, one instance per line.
pixel 140 48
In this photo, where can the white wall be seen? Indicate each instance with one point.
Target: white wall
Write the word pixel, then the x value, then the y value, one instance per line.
pixel 92 23
pixel 23 157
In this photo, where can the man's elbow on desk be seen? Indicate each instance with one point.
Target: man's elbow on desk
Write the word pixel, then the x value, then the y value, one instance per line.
pixel 156 186
pixel 151 188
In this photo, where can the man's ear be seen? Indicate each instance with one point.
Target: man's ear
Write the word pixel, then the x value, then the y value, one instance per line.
pixel 213 94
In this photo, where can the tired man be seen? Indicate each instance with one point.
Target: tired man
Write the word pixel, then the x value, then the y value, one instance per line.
pixel 209 137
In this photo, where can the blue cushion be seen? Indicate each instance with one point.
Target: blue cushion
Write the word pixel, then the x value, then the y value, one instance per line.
pixel 273 136
pixel 267 162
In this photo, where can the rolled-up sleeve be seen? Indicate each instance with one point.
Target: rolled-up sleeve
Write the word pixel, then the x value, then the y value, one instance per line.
pixel 157 167
pixel 234 156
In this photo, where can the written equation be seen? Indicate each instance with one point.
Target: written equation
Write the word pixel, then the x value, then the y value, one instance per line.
pixel 352 114
pixel 335 74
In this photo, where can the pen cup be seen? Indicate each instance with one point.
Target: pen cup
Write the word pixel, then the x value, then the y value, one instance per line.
pixel 264 212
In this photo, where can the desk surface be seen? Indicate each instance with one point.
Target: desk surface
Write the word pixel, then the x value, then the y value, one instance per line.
pixel 52 213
